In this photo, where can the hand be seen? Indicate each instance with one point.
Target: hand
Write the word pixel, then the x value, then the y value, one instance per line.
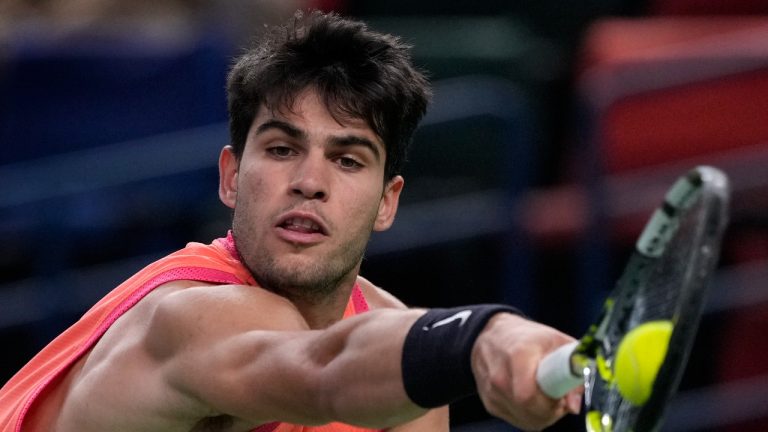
pixel 504 361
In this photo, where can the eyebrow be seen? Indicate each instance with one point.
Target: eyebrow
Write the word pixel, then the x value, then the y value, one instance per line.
pixel 287 128
pixel 340 141
pixel 354 140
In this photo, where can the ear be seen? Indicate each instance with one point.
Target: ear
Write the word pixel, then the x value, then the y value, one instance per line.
pixel 228 167
pixel 388 204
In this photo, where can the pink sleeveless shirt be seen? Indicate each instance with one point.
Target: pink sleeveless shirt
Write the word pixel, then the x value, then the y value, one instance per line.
pixel 215 263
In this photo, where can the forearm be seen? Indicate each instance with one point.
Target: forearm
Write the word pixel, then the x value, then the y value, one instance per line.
pixel 385 368
pixel 361 375
pixel 271 367
pixel 424 359
pixel 350 372
pixel 378 369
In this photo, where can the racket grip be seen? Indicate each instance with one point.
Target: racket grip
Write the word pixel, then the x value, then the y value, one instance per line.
pixel 555 375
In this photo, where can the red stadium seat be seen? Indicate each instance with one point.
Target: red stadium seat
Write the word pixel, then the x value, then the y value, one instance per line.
pixel 657 96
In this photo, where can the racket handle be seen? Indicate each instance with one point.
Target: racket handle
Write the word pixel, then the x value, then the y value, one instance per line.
pixel 555 375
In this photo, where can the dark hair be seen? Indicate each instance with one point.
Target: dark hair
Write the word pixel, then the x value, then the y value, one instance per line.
pixel 357 72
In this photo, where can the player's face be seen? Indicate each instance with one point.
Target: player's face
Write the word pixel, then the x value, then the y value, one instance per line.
pixel 307 193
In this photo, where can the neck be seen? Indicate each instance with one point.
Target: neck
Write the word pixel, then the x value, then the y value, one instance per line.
pixel 321 313
pixel 321 310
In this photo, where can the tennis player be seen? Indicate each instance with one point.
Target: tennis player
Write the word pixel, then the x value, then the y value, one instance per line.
pixel 271 328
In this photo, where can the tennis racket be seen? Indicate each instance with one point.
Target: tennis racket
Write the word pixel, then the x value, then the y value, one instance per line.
pixel 631 359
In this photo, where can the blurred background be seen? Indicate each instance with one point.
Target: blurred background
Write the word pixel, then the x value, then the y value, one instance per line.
pixel 555 129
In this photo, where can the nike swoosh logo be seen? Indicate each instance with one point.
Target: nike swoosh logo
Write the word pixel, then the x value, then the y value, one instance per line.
pixel 463 316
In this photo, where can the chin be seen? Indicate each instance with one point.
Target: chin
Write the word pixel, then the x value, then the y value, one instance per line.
pixel 307 278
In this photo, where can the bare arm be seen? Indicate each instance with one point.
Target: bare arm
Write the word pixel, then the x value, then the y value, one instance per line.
pixel 350 372
pixel 435 420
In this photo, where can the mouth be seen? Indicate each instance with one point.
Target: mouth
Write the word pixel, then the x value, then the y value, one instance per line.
pixel 302 225
pixel 301 228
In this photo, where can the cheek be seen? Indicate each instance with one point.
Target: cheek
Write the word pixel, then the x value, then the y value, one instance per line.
pixel 254 182
pixel 251 195
pixel 366 205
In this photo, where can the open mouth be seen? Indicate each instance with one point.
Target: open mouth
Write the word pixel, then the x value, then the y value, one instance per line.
pixel 302 225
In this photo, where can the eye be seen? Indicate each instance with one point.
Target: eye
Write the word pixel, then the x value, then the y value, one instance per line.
pixel 281 152
pixel 349 163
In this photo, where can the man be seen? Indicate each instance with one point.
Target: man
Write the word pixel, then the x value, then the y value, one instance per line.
pixel 264 330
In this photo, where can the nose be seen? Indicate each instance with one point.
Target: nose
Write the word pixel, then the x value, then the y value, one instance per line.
pixel 310 179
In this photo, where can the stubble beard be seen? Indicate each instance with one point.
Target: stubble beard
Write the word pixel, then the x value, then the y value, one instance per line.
pixel 311 282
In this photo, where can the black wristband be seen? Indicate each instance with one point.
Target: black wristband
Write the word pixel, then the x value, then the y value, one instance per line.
pixel 437 367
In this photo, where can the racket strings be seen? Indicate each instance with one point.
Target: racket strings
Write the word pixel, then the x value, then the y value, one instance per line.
pixel 667 284
pixel 652 289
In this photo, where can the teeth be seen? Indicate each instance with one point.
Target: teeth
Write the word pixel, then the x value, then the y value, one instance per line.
pixel 303 223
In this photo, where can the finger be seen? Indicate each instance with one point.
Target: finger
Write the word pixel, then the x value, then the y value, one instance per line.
pixel 573 402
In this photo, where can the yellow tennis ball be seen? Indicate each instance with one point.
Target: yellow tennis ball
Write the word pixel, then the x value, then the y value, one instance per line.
pixel 638 359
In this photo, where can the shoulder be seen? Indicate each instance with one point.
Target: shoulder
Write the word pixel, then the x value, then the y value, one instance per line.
pixel 216 312
pixel 167 352
pixel 378 298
